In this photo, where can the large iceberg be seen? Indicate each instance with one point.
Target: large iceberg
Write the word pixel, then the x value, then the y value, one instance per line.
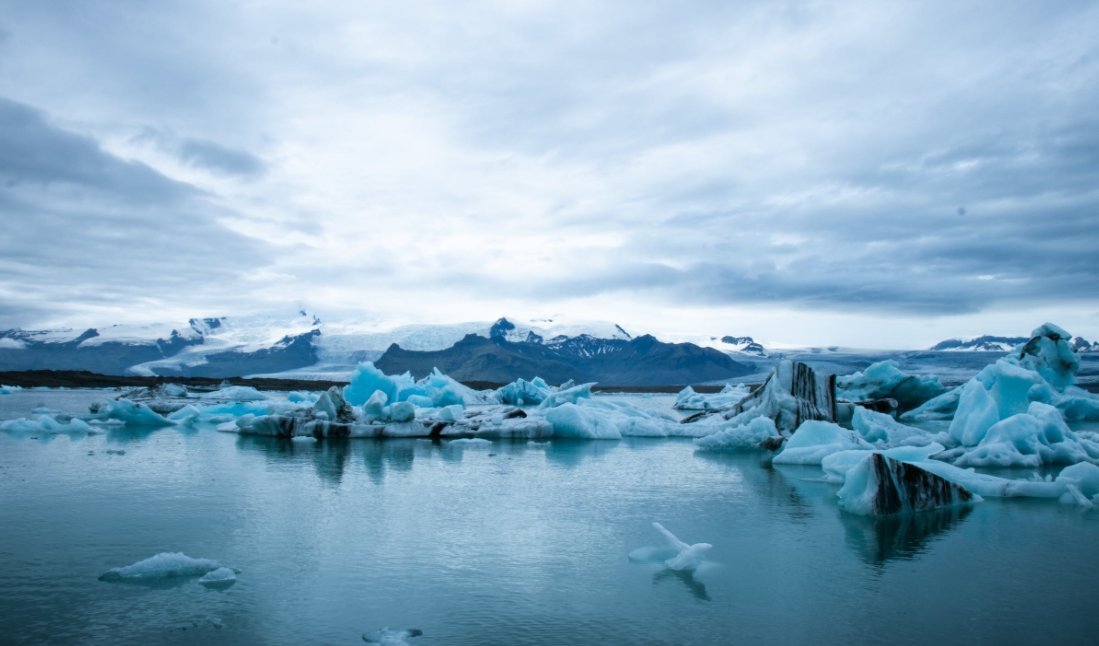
pixel 435 390
pixel 1043 369
pixel 885 381
pixel 1013 412
pixel 879 486
pixel 793 393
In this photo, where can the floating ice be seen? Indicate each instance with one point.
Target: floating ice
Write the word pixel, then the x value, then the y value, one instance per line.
pixel 388 637
pixel 882 430
pixel 162 566
pixel 678 555
pixel 792 393
pixel 1043 369
pixel 730 396
pixel 524 393
pixel 758 433
pixel 470 442
pixel 884 380
pixel 605 420
pixel 7 390
pixel 236 394
pixel 435 390
pixel 814 440
pixel 129 413
pixel 1033 438
pixel 47 424
pixel 837 464
pixel 881 486
pixel 222 577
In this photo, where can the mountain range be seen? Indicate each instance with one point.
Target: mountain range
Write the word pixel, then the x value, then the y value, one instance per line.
pixel 988 343
pixel 300 345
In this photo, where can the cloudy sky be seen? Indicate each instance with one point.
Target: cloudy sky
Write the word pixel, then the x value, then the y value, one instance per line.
pixel 883 174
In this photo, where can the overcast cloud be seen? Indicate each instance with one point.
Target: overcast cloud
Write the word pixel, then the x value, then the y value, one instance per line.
pixel 881 174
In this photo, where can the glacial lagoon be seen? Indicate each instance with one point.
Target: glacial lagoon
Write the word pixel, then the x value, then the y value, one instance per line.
pixel 508 542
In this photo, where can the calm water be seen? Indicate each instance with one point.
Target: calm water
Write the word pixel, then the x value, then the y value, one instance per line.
pixel 509 544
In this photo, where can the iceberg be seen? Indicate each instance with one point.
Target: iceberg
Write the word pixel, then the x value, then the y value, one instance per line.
pixel 791 394
pixel 880 486
pixel 435 390
pixel 162 566
pixel 884 380
pixel 604 420
pixel 1043 369
pixel 1033 438
pixel 729 396
pixel 47 424
pixel 129 413
pixel 883 431
pixel 235 394
pixel 814 440
pixel 760 433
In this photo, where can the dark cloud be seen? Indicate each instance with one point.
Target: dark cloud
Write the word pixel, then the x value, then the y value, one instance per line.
pixel 35 153
pixel 84 228
pixel 205 154
pixel 210 155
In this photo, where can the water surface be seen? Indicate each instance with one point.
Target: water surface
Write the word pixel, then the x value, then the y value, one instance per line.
pixel 512 543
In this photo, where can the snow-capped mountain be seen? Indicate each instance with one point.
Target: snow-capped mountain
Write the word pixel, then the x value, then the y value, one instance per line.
pixel 246 345
pixel 735 346
pixel 225 346
pixel 742 345
pixel 988 343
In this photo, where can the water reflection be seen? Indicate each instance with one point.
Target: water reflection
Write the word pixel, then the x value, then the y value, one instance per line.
pixel 571 453
pixel 901 536
pixel 330 459
pixel 382 455
pixel 696 587
pixel 767 481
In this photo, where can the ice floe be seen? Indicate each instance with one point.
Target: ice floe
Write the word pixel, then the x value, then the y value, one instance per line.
pixel 164 565
pixel 676 555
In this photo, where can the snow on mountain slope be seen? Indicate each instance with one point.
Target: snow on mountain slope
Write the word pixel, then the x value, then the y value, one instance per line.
pixel 733 345
pixel 240 334
pixel 989 343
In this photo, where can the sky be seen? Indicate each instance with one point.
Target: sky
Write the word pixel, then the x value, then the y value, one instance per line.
pixel 869 174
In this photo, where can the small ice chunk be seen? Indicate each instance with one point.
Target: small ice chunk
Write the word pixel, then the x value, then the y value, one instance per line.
pixel 681 557
pixel 389 637
pixel 236 394
pixel 469 441
pixel 222 577
pixel 162 566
